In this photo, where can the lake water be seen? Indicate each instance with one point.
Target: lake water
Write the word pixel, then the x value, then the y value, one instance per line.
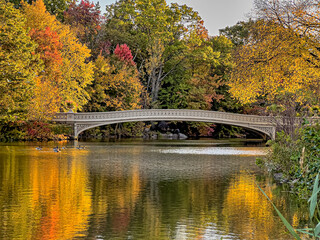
pixel 193 189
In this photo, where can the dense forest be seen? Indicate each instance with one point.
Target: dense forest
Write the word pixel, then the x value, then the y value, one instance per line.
pixel 61 55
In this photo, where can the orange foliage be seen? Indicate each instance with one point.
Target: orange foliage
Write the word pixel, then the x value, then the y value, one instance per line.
pixel 64 58
pixel 49 46
pixel 201 30
pixel 46 98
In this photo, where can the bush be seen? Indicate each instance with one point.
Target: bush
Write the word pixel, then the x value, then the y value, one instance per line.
pixel 32 131
pixel 297 159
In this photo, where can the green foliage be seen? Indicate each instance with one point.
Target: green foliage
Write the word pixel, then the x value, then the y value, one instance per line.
pixel 162 38
pixel 298 159
pixel 175 89
pixel 12 131
pixel 199 82
pixel 238 33
pixel 61 129
pixel 131 129
pixel 54 7
pixel 126 130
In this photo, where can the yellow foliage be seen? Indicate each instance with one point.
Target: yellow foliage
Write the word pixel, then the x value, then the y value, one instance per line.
pixel 117 88
pixel 276 63
pixel 76 73
pixel 45 102
pixel 37 16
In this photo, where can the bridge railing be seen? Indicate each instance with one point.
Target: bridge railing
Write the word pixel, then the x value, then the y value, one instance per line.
pixel 154 113
pixel 183 114
pixel 60 117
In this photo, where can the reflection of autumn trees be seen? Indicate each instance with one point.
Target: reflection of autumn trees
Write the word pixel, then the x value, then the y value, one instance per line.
pixel 197 205
pixel 48 195
pixel 115 193
pixel 45 195
pixel 13 215
pixel 244 200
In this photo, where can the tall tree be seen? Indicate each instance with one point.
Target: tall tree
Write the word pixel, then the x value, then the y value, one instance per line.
pixel 54 7
pixel 46 98
pixel 196 81
pixel 85 19
pixel 19 63
pixel 76 73
pixel 154 31
pixel 224 101
pixel 277 66
pixel 116 86
pixel 238 33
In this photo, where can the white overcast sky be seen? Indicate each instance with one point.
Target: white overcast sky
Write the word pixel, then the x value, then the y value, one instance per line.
pixel 216 14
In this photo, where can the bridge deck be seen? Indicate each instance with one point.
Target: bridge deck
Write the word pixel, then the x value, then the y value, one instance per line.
pixel 84 121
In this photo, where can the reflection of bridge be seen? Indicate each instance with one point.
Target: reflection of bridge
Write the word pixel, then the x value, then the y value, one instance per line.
pixel 84 121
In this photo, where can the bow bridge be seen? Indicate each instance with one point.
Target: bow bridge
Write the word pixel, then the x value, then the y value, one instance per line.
pixel 84 121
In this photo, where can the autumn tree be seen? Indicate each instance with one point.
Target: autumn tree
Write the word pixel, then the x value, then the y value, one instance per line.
pixel 116 86
pixel 278 68
pixel 85 20
pixel 238 33
pixel 54 7
pixel 300 16
pixel 71 71
pixel 123 53
pixel 46 97
pixel 153 30
pixel 19 64
pixel 280 63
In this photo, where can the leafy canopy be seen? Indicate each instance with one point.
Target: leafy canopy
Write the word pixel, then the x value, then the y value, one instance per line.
pixel 19 63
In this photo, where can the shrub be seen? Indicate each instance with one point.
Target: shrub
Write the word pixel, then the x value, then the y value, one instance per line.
pixel 297 159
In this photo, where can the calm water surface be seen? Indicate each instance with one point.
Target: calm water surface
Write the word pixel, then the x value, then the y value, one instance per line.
pixel 201 189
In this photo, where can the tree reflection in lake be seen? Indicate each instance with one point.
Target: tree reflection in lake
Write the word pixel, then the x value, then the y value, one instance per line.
pixel 138 190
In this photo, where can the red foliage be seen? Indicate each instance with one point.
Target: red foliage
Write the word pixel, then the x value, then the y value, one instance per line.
pixel 123 52
pixel 210 130
pixel 38 130
pixel 85 13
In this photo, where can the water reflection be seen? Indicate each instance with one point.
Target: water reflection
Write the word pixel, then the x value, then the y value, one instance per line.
pixel 44 195
pixel 136 191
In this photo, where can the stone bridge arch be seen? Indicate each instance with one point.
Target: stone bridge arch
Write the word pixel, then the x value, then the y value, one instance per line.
pixel 85 121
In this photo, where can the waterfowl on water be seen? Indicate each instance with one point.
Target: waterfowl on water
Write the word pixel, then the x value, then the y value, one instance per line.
pixel 56 149
pixel 39 148
pixel 80 147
